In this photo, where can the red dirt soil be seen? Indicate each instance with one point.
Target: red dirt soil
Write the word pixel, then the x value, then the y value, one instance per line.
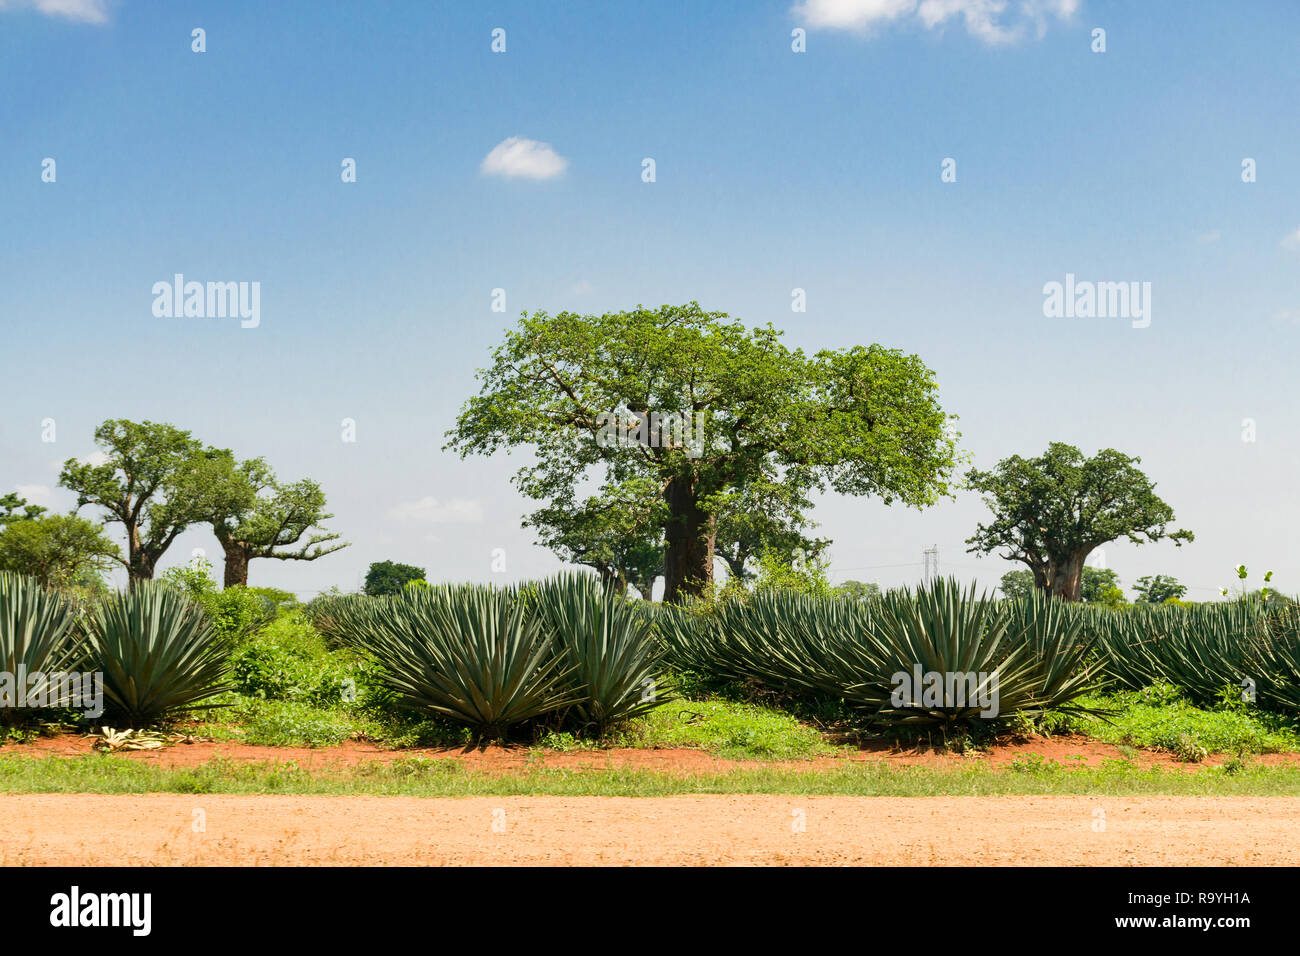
pixel 1066 750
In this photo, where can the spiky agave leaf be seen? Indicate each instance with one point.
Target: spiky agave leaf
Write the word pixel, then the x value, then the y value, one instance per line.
pixel 38 635
pixel 854 651
pixel 1200 649
pixel 960 643
pixel 1062 647
pixel 607 645
pixel 470 653
pixel 158 653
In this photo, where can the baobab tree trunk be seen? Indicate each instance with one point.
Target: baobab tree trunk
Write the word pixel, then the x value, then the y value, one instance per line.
pixel 140 564
pixel 236 574
pixel 689 539
pixel 1067 578
pixel 141 568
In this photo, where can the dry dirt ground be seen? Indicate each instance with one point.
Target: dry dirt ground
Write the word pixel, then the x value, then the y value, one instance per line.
pixel 1069 751
pixel 69 829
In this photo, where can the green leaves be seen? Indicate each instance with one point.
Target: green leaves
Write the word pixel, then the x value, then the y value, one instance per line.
pixel 1051 512
pixel 1203 649
pixel 470 653
pixel 1029 653
pixel 57 550
pixel 607 647
pixel 492 659
pixel 865 420
pixel 38 632
pixel 147 484
pixel 158 653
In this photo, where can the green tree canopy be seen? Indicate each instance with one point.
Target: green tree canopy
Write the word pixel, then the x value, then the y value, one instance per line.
pixel 861 421
pixel 14 508
pixel 619 532
pixel 389 577
pixel 1017 584
pixel 57 550
pixel 1158 589
pixel 764 515
pixel 146 484
pixel 1101 586
pixel 859 590
pixel 1050 512
pixel 254 515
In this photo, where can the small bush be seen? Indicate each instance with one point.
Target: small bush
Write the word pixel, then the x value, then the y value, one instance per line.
pixel 292 724
pixel 289 662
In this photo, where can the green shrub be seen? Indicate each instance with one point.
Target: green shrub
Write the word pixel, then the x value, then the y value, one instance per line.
pixel 236 612
pixel 1158 717
pixel 293 724
pixel 282 601
pixel 289 661
pixel 730 729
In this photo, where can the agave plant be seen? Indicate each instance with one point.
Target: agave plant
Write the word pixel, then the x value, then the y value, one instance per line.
pixel 605 643
pixel 158 653
pixel 1201 649
pixel 938 655
pixel 978 658
pixel 38 635
pixel 1278 683
pixel 1062 646
pixel 470 653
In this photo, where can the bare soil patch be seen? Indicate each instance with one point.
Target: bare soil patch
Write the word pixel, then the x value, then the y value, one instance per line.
pixel 160 829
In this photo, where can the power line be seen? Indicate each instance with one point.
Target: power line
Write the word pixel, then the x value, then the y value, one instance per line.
pixel 874 567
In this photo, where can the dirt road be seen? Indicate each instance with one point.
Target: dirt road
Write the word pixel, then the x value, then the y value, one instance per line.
pixel 92 829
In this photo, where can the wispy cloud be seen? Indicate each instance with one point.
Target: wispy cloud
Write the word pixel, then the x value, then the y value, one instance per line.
pixel 36 494
pixel 430 510
pixel 987 20
pixel 84 11
pixel 517 157
pixel 1291 240
pixel 1212 235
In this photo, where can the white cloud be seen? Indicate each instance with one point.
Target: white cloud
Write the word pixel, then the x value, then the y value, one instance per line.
pixel 527 158
pixel 97 458
pixel 986 20
pixel 36 494
pixel 1291 240
pixel 430 510
pixel 1212 236
pixel 583 287
pixel 86 11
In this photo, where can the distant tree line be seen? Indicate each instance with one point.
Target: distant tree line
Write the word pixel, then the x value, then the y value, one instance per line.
pixel 155 480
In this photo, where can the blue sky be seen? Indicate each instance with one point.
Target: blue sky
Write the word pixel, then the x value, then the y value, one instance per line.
pixel 774 170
